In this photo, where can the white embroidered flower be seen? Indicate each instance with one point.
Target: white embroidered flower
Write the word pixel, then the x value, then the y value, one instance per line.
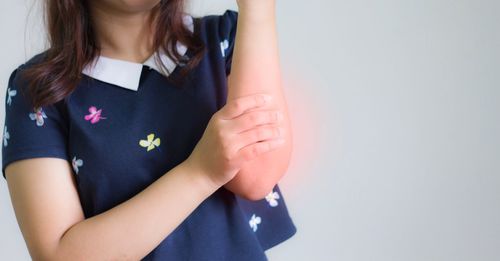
pixel 223 47
pixel 10 94
pixel 254 221
pixel 272 198
pixel 76 163
pixel 6 136
pixel 38 115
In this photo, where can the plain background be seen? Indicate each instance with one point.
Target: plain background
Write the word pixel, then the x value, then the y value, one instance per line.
pixel 396 112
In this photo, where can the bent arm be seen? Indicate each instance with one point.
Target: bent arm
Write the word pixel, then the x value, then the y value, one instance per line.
pixel 51 219
pixel 256 69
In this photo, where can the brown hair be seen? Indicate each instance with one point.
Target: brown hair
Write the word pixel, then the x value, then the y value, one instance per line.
pixel 73 45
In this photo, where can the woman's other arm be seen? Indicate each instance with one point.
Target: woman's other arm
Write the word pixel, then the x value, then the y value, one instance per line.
pixel 51 218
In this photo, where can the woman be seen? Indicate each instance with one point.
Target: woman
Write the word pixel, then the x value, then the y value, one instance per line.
pixel 127 139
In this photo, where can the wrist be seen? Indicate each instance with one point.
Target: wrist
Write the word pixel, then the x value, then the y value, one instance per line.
pixel 257 9
pixel 199 178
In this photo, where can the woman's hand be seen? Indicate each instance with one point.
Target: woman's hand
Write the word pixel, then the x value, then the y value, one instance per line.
pixel 233 136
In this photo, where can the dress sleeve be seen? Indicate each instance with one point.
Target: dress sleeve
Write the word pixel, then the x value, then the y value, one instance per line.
pixel 30 132
pixel 227 33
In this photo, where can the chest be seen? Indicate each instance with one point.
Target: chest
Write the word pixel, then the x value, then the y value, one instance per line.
pixel 120 140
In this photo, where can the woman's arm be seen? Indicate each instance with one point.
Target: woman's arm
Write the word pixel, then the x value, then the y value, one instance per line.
pixel 50 216
pixel 255 69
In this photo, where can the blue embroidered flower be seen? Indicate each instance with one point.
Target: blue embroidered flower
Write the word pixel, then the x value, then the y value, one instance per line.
pixel 223 47
pixel 272 198
pixel 6 136
pixel 10 94
pixel 76 163
pixel 38 115
pixel 254 221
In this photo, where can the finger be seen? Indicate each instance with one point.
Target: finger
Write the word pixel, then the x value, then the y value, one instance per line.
pixel 257 134
pixel 251 119
pixel 254 150
pixel 238 106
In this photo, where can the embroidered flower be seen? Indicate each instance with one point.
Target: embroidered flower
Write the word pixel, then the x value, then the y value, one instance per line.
pixel 6 136
pixel 223 47
pixel 150 143
pixel 38 115
pixel 95 115
pixel 254 221
pixel 272 198
pixel 10 94
pixel 76 163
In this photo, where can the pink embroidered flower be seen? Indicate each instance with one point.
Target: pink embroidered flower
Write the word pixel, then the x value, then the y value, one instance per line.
pixel 95 115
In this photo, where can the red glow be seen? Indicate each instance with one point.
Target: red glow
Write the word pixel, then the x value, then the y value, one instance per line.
pixel 304 115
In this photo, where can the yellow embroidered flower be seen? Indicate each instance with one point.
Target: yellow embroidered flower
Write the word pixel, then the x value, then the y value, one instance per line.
pixel 151 143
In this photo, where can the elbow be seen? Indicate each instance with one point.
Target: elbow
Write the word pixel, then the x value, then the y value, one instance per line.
pixel 42 253
pixel 79 255
pixel 257 193
pixel 270 169
pixel 71 255
pixel 63 252
pixel 260 187
pixel 54 256
pixel 47 257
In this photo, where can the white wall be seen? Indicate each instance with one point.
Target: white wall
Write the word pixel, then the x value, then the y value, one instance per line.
pixel 396 109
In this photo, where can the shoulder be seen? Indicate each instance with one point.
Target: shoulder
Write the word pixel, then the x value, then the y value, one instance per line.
pixel 218 25
pixel 219 19
pixel 33 60
pixel 15 78
pixel 19 83
pixel 37 58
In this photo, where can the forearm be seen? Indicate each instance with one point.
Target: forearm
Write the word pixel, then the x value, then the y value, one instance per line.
pixel 132 229
pixel 256 69
pixel 255 62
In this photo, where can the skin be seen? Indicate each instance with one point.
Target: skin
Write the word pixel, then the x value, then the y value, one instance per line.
pixel 124 29
pixel 256 44
pixel 256 69
pixel 43 190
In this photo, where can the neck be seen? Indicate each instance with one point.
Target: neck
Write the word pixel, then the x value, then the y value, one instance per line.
pixel 124 36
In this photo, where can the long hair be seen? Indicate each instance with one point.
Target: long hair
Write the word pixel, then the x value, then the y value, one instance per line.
pixel 72 45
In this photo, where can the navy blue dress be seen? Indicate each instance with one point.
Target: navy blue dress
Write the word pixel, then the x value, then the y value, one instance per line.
pixel 126 124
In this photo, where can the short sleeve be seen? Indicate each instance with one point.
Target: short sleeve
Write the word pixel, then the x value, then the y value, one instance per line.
pixel 30 132
pixel 227 34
